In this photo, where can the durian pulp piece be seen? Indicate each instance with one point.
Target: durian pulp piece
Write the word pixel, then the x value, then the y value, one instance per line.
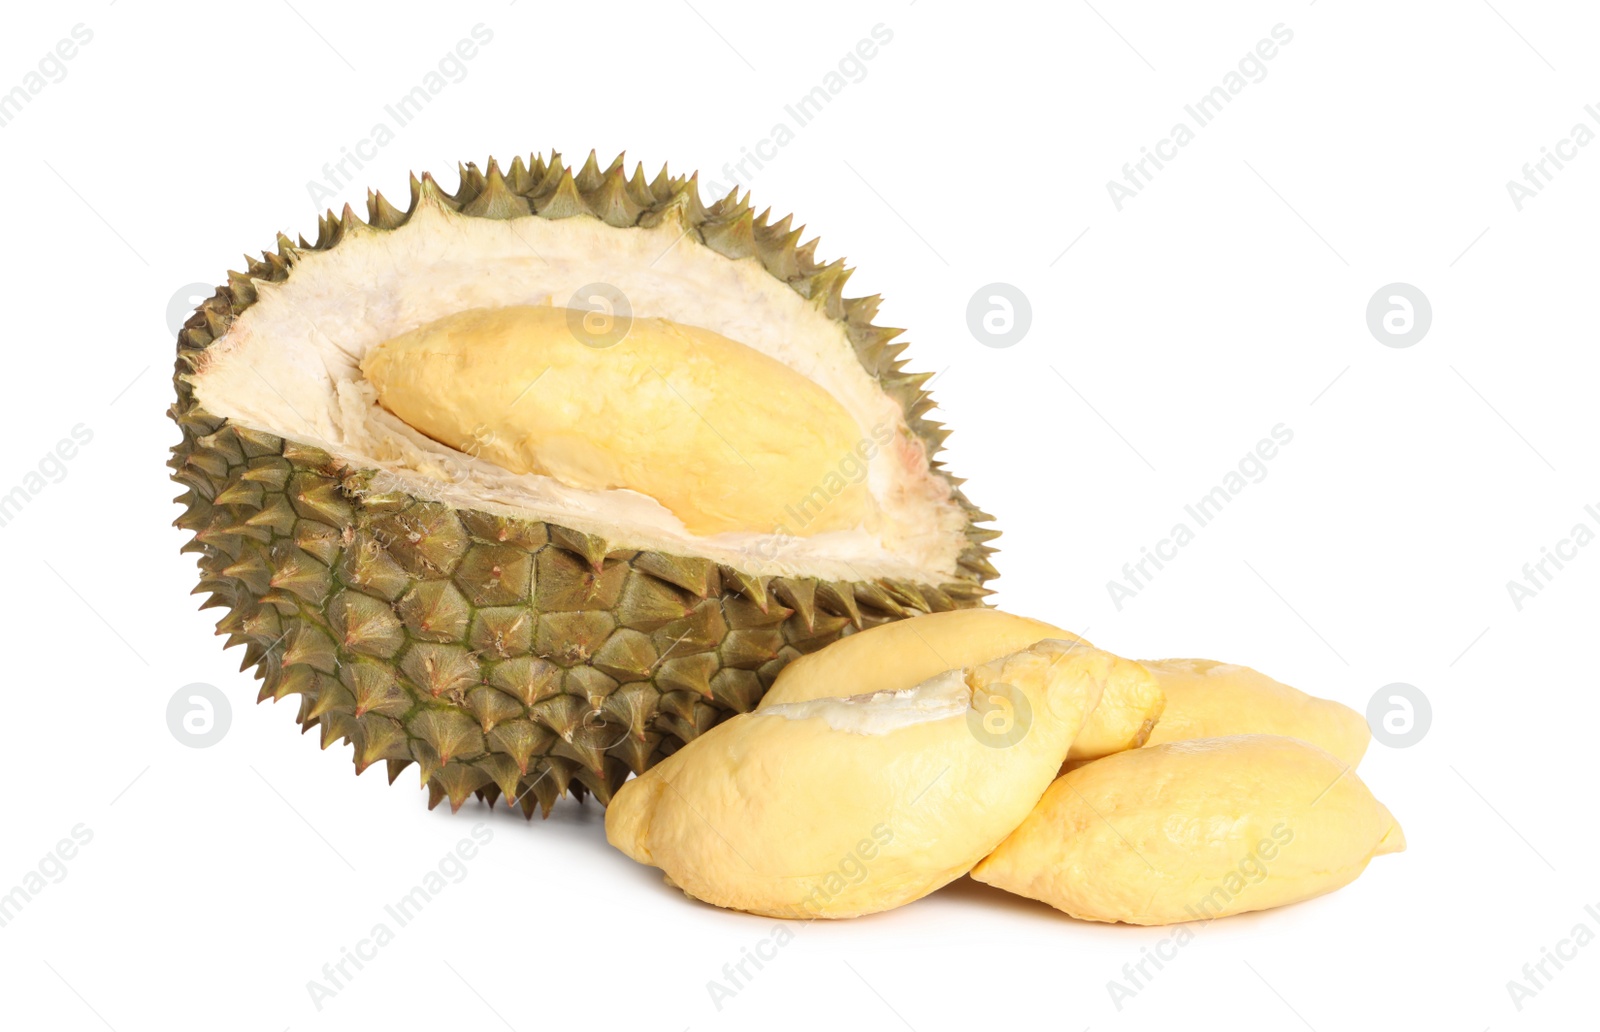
pixel 882 657
pixel 1194 830
pixel 721 435
pixel 842 806
pixel 1207 699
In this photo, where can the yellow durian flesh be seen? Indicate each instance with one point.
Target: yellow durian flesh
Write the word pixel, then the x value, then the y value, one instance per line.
pixel 723 436
pixel 884 657
pixel 1207 699
pixel 837 807
pixel 1194 830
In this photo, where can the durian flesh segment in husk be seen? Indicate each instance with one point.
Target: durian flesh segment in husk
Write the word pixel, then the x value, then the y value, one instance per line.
pixel 527 389
pixel 1207 699
pixel 512 633
pixel 292 365
pixel 1195 830
pixel 842 806
pixel 879 659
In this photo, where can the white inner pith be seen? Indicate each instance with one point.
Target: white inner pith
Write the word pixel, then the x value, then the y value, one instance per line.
pixel 941 697
pixel 290 365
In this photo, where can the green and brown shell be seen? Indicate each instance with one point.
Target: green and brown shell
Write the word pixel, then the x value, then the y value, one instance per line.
pixel 505 656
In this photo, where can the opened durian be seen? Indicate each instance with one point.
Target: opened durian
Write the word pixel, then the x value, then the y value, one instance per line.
pixel 534 483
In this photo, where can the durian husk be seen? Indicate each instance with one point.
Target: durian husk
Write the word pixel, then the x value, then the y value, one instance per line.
pixel 509 657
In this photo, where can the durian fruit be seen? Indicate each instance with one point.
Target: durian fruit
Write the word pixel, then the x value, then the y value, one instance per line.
pixel 1207 699
pixel 1195 830
pixel 532 483
pixel 843 806
pixel 884 657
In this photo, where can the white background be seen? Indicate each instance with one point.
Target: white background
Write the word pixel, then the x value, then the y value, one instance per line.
pixel 1227 297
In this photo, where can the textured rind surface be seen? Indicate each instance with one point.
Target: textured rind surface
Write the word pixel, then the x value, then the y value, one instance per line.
pixel 503 656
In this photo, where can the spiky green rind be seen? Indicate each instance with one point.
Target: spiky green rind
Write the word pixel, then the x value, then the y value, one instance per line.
pixel 508 657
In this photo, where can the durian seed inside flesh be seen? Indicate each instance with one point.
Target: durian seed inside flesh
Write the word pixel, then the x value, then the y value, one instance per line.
pixel 723 436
